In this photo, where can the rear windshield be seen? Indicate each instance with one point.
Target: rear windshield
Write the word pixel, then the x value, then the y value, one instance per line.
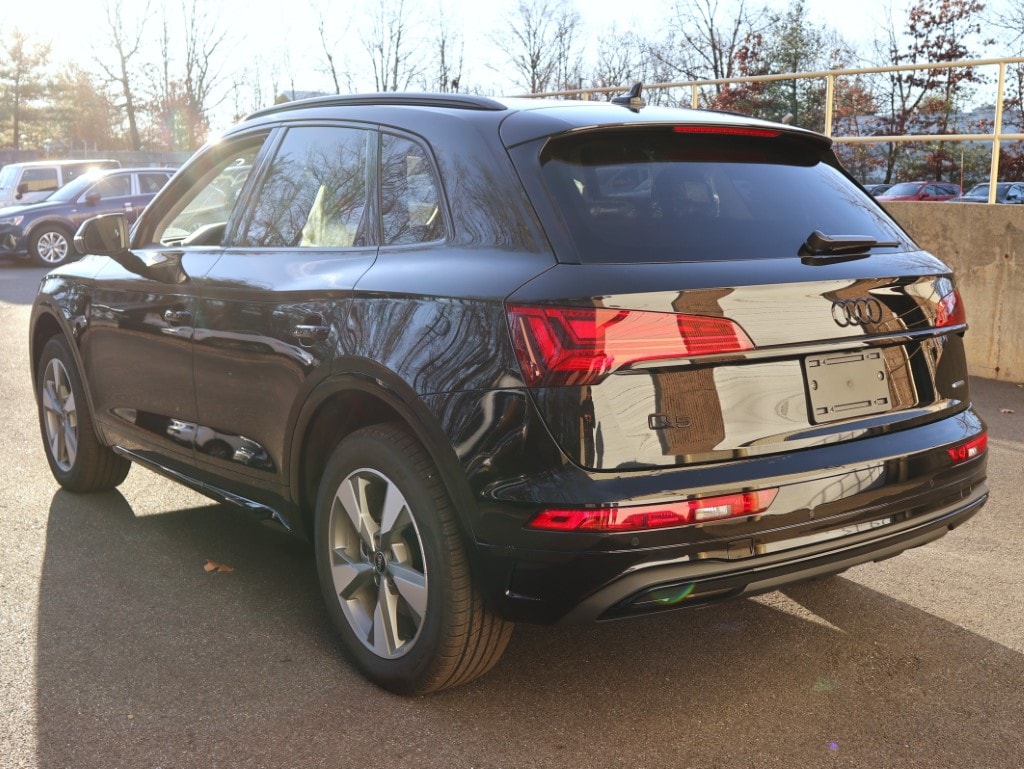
pixel 662 195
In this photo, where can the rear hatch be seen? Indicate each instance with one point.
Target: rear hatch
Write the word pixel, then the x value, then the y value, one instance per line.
pixel 721 292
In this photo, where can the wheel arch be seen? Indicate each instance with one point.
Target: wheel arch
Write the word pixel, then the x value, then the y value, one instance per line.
pixel 355 399
pixel 46 325
pixel 54 222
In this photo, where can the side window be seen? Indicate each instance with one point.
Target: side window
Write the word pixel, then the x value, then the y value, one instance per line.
pixel 150 184
pixel 119 186
pixel 40 179
pixel 315 193
pixel 410 202
pixel 201 214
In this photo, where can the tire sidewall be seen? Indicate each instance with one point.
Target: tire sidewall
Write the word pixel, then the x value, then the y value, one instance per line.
pixel 370 449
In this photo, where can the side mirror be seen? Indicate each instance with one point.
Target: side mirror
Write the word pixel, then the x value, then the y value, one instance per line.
pixel 104 235
pixel 93 198
pixel 107 235
pixel 21 190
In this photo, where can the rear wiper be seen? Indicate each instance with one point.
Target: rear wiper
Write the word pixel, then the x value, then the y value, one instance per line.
pixel 820 246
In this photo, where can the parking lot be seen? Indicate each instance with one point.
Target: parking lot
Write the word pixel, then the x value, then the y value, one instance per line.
pixel 118 649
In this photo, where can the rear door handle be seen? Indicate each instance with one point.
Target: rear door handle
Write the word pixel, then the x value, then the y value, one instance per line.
pixel 177 317
pixel 312 333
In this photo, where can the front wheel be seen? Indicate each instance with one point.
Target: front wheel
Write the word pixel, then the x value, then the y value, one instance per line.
pixel 393 570
pixel 51 245
pixel 77 459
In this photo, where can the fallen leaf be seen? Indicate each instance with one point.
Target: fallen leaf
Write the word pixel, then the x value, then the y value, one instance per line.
pixel 1007 411
pixel 220 568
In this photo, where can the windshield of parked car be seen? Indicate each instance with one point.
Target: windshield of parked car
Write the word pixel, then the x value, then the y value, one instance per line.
pixel 659 195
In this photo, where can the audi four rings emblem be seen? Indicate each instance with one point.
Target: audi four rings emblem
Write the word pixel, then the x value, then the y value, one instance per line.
pixel 856 312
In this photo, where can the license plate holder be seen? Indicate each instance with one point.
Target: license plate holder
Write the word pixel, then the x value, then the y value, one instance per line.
pixel 847 385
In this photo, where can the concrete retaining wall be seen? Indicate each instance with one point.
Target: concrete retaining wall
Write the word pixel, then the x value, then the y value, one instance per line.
pixel 985 245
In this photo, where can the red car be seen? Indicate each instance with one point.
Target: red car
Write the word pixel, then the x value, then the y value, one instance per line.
pixel 921 191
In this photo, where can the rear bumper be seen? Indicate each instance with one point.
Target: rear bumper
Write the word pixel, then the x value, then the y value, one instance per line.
pixel 692 581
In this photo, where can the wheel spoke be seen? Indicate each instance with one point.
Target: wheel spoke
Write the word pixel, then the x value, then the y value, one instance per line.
pixel 412 586
pixel 70 443
pixel 352 498
pixel 56 436
pixel 394 516
pixel 385 623
pixel 350 577
pixel 51 401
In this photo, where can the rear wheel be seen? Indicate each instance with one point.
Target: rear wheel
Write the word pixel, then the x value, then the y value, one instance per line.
pixel 393 570
pixel 77 459
pixel 51 245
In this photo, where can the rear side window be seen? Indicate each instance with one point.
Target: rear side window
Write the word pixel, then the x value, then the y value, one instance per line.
pixel 410 203
pixel 662 195
pixel 151 183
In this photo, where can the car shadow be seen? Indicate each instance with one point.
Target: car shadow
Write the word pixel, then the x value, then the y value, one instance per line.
pixel 145 658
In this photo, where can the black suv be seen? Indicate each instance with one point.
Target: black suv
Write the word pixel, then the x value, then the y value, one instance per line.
pixel 519 360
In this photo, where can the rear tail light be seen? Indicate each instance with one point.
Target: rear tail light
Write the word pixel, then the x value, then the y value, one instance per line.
pixel 582 345
pixel 950 310
pixel 969 450
pixel 645 517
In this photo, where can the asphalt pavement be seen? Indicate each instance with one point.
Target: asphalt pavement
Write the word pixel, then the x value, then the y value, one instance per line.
pixel 117 648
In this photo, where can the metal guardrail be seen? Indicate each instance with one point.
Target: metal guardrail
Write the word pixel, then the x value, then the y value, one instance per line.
pixel 996 136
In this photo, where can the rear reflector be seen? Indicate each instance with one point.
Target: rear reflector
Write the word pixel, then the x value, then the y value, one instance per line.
pixel 582 345
pixel 969 450
pixel 643 517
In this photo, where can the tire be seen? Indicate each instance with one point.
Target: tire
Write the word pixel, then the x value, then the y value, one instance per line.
pixel 393 570
pixel 77 459
pixel 51 245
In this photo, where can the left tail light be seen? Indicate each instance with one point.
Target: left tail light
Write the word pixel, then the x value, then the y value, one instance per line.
pixel 583 345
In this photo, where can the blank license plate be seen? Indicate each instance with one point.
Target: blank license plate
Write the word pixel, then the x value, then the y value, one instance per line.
pixel 847 385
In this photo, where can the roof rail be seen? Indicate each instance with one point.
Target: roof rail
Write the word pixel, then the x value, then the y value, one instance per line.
pixel 391 98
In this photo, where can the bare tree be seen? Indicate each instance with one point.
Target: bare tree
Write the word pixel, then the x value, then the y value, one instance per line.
pixel 124 42
pixel 203 41
pixel 444 73
pixel 328 46
pixel 707 41
pixel 21 76
pixel 538 39
pixel 391 47
pixel 622 59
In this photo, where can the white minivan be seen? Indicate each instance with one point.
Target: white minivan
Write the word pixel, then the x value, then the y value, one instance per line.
pixel 23 183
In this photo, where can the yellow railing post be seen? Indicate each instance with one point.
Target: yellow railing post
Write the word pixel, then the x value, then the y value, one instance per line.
pixel 830 95
pixel 997 134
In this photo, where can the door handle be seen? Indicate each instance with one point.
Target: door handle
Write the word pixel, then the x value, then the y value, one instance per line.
pixel 177 317
pixel 312 333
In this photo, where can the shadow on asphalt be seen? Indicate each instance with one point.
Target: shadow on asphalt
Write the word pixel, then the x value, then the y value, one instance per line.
pixel 147 660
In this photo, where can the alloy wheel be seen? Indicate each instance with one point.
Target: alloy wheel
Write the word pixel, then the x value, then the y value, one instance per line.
pixel 377 563
pixel 52 247
pixel 60 415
